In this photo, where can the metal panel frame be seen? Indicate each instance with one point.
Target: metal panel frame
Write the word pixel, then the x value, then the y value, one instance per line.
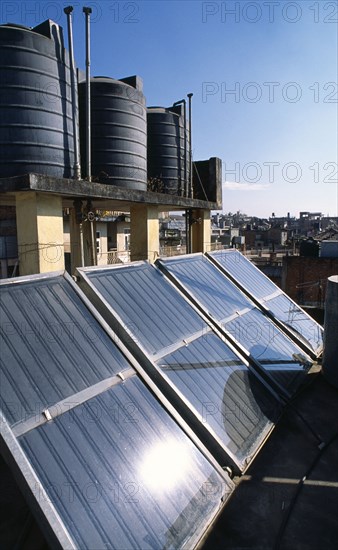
pixel 64 406
pixel 206 434
pixel 42 507
pixel 23 472
pixel 261 304
pixel 270 383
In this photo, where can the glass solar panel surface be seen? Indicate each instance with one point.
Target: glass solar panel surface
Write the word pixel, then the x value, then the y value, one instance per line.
pixel 148 306
pixel 200 365
pixel 224 392
pixel 245 272
pixel 51 347
pixel 238 315
pixel 121 474
pixel 261 288
pixel 116 469
pixel 295 318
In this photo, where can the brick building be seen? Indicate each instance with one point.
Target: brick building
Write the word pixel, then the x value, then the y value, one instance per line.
pixel 304 279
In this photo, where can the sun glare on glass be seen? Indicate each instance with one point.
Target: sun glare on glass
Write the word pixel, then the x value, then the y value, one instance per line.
pixel 165 465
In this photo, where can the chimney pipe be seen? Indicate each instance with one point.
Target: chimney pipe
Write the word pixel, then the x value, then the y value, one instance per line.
pixel 191 192
pixel 184 103
pixel 87 12
pixel 77 170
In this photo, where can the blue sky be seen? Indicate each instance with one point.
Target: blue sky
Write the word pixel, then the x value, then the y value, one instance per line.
pixel 277 132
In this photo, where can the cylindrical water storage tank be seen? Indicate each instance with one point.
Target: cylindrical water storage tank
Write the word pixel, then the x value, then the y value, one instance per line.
pixel 118 131
pixel 36 133
pixel 309 248
pixel 168 150
pixel 330 355
pixel 329 249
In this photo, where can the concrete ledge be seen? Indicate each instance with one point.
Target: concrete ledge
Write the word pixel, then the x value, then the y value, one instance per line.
pixel 72 189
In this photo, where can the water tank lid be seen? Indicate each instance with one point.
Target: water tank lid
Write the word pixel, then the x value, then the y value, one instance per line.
pixel 106 85
pixel 16 26
pixel 162 110
pixel 104 79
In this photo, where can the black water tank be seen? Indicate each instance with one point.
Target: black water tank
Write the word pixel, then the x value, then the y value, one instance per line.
pixel 309 248
pixel 119 131
pixel 36 133
pixel 168 152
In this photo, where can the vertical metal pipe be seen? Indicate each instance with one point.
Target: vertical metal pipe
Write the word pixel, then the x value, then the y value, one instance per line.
pixel 190 149
pixel 77 170
pixel 79 220
pixel 186 182
pixel 82 245
pixel 186 186
pixel 187 232
pixel 87 12
pixel 185 148
pixel 91 220
pixel 93 239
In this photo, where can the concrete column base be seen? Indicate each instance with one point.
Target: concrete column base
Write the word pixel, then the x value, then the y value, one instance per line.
pixel 40 233
pixel 144 232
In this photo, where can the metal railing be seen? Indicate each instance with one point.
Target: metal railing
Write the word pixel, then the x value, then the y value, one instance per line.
pixel 167 251
pixel 113 257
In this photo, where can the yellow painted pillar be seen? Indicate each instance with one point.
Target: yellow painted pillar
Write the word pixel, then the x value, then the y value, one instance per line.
pixel 144 232
pixel 39 223
pixel 200 231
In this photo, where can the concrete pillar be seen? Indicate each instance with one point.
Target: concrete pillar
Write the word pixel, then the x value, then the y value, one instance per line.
pixel 144 232
pixel 200 231
pixel 40 232
pixel 330 355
